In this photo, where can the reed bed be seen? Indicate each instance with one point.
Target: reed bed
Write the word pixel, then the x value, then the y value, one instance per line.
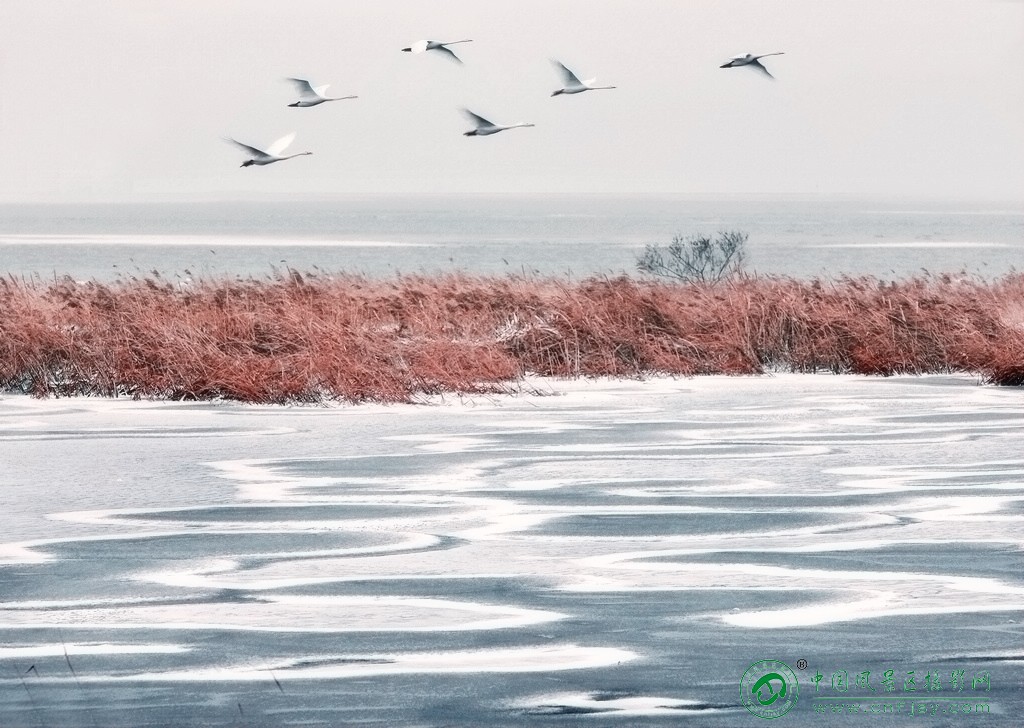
pixel 306 338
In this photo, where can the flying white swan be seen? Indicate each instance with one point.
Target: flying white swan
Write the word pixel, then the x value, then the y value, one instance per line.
pixel 572 83
pixel 273 153
pixel 484 127
pixel 309 96
pixel 750 60
pixel 421 46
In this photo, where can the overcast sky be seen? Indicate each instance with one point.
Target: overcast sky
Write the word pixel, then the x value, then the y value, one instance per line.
pixel 122 100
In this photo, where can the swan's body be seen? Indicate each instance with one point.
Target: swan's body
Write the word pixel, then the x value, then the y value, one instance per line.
pixel 309 96
pixel 750 60
pixel 273 153
pixel 572 84
pixel 422 46
pixel 485 127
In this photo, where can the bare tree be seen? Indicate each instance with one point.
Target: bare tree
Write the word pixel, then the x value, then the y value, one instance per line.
pixel 696 259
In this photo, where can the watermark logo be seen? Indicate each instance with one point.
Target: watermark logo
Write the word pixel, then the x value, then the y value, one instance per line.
pixel 769 689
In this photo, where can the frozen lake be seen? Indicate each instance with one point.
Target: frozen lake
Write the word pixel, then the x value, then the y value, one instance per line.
pixel 608 554
pixel 557 235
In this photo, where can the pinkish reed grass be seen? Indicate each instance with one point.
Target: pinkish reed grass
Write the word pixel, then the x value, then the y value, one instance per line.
pixel 308 339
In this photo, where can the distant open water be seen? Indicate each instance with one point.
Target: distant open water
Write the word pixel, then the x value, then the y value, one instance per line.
pixel 578 236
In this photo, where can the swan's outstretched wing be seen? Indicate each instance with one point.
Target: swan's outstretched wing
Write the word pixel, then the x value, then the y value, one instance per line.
pixel 321 90
pixel 757 64
pixel 568 77
pixel 256 153
pixel 304 89
pixel 476 118
pixel 280 145
pixel 449 52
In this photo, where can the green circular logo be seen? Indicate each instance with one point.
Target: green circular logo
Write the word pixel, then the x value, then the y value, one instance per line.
pixel 769 689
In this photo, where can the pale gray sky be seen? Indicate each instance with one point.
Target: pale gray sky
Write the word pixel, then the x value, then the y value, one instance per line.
pixel 122 100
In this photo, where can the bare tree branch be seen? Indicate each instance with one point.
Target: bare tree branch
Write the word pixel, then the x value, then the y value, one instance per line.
pixel 696 259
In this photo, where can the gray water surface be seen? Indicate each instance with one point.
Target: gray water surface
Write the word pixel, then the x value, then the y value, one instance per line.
pixel 553 235
pixel 615 553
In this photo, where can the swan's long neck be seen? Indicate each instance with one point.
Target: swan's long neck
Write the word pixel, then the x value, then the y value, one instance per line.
pixel 600 88
pixel 341 98
pixel 300 154
pixel 453 42
pixel 516 126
